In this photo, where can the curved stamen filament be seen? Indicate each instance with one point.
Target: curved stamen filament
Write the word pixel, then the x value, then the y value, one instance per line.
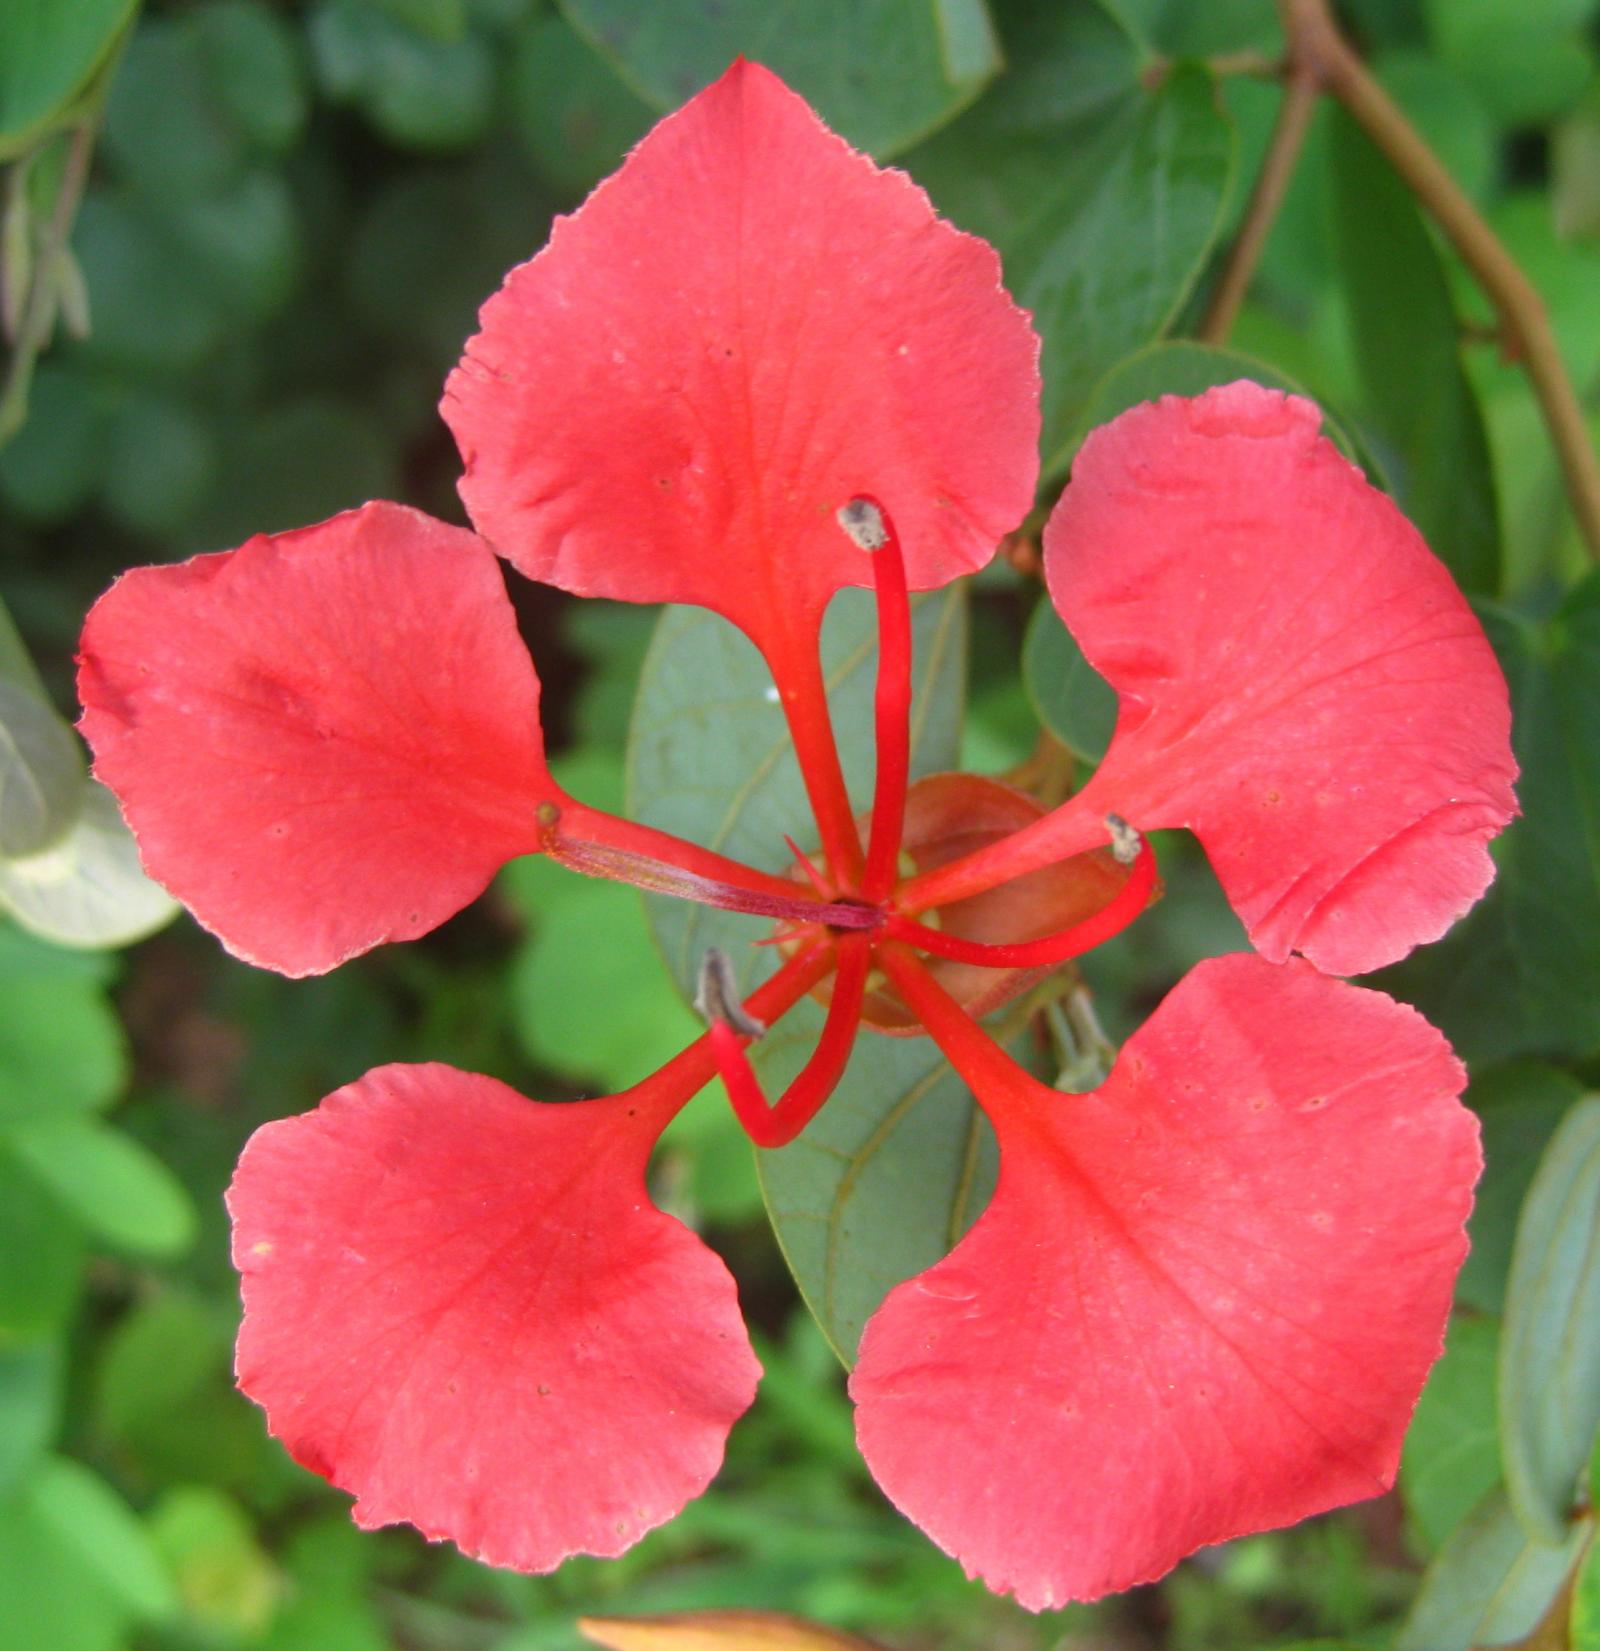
pixel 869 525
pixel 1110 920
pixel 597 844
pixel 671 1087
pixel 988 1070
pixel 777 1125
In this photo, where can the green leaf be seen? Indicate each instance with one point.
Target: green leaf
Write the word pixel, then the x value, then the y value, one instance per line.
pixel 42 776
pixel 1550 1352
pixel 709 756
pixel 50 467
pixel 1522 975
pixel 117 1189
pixel 1491 1583
pixel 1069 696
pixel 1103 194
pixel 88 889
pixel 894 1170
pixel 1519 1106
pixel 30 1404
pixel 252 56
pixel 1180 367
pixel 1421 412
pixel 1585 1621
pixel 49 52
pixel 1528 62
pixel 41 1256
pixel 161 461
pixel 575 116
pixel 835 53
pixel 1452 1450
pixel 164 132
pixel 207 1540
pixel 421 92
pixel 61 1048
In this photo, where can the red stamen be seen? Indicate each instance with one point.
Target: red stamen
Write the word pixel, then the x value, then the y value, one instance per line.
pixel 989 1071
pixel 777 1125
pixel 1110 920
pixel 597 844
pixel 1073 828
pixel 671 1087
pixel 803 693
pixel 869 525
pixel 813 876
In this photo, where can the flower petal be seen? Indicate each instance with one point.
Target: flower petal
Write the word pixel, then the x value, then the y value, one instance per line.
pixel 322 740
pixel 1301 682
pixel 461 1306
pixel 746 326
pixel 1203 1300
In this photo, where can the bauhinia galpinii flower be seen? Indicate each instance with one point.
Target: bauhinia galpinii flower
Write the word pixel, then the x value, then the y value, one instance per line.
pixel 752 369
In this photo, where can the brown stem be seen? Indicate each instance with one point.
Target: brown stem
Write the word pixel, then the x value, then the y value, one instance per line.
pixel 1272 184
pixel 1317 46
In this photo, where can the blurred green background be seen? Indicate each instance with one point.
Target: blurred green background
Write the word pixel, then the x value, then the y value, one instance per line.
pixel 292 214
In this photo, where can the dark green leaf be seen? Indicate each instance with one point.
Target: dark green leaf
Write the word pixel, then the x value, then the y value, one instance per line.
pixel 1180 367
pixel 50 467
pixel 1522 975
pixel 1421 412
pixel 118 1190
pixel 709 756
pixel 242 242
pixel 255 71
pixel 1452 1450
pixel 883 1184
pixel 1550 1352
pixel 165 131
pixel 836 53
pixel 1071 698
pixel 1519 1106
pixel 48 54
pixel 574 114
pixel 1491 1583
pixel 41 773
pixel 160 463
pixel 422 93
pixel 1103 194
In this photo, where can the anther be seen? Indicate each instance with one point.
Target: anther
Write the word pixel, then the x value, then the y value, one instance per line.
pixel 863 521
pixel 1125 840
pixel 717 996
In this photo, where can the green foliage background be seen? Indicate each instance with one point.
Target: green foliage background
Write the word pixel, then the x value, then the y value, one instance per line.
pixel 293 213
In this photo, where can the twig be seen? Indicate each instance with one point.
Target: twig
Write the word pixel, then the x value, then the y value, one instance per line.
pixel 1272 184
pixel 1316 45
pixel 39 313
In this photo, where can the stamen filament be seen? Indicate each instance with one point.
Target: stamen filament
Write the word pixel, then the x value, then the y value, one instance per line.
pixel 1073 828
pixel 1110 920
pixel 670 1088
pixel 869 524
pixel 803 693
pixel 598 844
pixel 991 1074
pixel 777 1125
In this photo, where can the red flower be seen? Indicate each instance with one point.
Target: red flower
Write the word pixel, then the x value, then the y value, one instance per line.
pixel 1205 1297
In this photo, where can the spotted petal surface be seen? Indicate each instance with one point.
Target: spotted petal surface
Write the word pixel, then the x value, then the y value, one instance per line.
pixel 461 1306
pixel 1300 681
pixel 746 326
pixel 1203 1300
pixel 323 740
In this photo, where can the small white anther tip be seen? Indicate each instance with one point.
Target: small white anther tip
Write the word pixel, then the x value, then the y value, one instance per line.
pixel 863 521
